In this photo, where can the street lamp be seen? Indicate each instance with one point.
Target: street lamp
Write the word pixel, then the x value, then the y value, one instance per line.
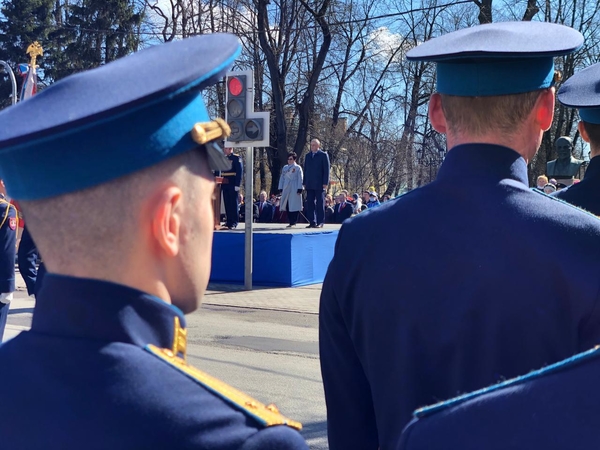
pixel 12 80
pixel 428 158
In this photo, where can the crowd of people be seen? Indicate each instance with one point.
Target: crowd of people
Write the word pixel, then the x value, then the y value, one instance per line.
pixel 271 209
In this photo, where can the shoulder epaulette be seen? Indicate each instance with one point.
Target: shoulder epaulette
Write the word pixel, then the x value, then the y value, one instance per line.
pixel 553 368
pixel 266 415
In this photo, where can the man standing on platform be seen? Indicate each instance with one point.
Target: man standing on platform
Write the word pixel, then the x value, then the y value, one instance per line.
pixel 230 188
pixel 467 299
pixel 316 180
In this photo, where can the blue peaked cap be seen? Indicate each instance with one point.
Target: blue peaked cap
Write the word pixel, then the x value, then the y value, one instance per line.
pixel 108 122
pixel 497 58
pixel 582 91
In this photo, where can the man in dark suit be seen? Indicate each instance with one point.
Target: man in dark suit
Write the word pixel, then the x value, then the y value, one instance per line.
pixel 243 210
pixel 343 210
pixel 265 209
pixel 552 408
pixel 468 299
pixel 230 188
pixel 316 180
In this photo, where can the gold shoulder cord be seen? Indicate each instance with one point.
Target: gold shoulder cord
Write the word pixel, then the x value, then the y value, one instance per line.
pixel 266 414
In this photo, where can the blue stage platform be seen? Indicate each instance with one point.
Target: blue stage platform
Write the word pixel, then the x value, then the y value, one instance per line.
pixel 282 256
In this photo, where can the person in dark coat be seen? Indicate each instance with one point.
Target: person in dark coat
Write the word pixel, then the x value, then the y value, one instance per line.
pixel 243 210
pixel 470 296
pixel 265 209
pixel 555 407
pixel 316 181
pixel 231 186
pixel 343 210
pixel 585 194
pixel 104 364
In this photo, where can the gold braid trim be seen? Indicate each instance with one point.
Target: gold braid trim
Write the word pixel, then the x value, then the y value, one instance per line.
pixel 267 414
pixel 210 131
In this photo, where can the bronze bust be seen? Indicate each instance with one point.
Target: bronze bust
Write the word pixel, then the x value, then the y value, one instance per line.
pixel 565 166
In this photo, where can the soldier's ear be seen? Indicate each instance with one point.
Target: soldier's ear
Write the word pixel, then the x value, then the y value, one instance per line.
pixel 544 108
pixel 164 217
pixel 436 114
pixel 583 132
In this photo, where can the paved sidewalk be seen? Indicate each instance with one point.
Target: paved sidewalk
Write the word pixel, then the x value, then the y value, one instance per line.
pixel 302 300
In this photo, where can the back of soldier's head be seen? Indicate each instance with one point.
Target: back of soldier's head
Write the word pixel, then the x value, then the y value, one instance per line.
pixel 116 182
pixel 490 76
pixel 581 92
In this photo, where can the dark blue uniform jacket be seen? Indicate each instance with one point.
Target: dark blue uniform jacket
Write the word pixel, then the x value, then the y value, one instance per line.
pixel 233 176
pixel 552 409
pixel 481 279
pixel 585 194
pixel 101 369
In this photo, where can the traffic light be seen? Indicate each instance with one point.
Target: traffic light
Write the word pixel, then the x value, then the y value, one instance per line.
pixel 246 126
pixel 236 106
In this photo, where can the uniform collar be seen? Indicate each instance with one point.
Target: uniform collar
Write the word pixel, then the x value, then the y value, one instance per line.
pixel 593 169
pixel 484 162
pixel 92 309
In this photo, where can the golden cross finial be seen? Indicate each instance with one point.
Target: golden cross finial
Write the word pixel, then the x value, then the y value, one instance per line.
pixel 34 50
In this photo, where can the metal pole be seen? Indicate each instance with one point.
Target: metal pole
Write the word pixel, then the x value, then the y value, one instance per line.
pixel 12 80
pixel 249 217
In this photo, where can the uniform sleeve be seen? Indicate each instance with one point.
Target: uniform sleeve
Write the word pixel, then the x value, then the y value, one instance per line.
pixel 350 412
pixel 238 171
pixel 275 438
pixel 326 168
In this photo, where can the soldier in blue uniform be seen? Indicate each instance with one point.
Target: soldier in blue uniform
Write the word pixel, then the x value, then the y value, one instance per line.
pixel 580 91
pixel 8 242
pixel 555 408
pixel 127 160
pixel 470 296
pixel 232 179
pixel 551 408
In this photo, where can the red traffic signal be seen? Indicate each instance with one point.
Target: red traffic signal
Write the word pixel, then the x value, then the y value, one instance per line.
pixel 235 86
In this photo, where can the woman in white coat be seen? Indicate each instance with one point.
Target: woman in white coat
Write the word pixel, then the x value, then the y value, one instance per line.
pixel 290 185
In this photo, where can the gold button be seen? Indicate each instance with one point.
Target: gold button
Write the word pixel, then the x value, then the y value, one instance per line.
pixel 273 408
